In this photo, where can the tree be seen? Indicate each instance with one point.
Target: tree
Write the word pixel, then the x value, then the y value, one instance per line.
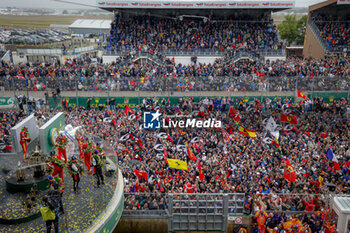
pixel 301 30
pixel 293 30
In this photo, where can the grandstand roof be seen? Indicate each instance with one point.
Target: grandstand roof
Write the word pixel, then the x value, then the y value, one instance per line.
pixel 194 4
pixel 91 24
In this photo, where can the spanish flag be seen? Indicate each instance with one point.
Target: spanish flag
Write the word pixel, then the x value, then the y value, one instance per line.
pixel 177 164
pixel 246 132
pixel 301 95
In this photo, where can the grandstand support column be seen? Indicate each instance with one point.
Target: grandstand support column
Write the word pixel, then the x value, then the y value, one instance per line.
pixel 76 91
pixel 14 91
pixel 296 90
pixel 107 85
pixel 138 93
pixel 225 212
pixel 312 88
pixel 170 213
pixel 27 83
pixel 47 89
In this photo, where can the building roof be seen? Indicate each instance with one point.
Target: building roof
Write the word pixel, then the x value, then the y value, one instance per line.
pixel 343 203
pixel 91 24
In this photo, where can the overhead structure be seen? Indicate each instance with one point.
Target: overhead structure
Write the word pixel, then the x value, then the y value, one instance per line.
pixel 194 4
pixel 90 26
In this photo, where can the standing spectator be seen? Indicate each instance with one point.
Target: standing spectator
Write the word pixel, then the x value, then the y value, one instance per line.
pixel 88 104
pixel 47 211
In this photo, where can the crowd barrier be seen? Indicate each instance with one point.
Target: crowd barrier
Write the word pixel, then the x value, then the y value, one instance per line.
pixel 198 83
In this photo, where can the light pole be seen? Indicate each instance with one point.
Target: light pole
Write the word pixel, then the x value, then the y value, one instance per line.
pixel 76 90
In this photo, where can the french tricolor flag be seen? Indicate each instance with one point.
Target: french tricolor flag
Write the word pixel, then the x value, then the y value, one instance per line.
pixel 332 157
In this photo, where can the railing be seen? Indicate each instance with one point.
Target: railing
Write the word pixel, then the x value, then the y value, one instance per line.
pixel 317 34
pixel 179 84
pixel 198 52
pixel 187 203
pixel 55 51
pixel 323 42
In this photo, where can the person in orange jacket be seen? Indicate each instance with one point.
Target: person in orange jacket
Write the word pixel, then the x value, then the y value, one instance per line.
pixel 261 217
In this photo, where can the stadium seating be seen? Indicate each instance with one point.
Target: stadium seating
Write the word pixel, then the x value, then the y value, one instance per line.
pixel 148 33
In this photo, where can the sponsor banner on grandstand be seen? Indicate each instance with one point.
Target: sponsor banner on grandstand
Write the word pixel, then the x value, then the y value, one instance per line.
pixel 7 102
pixel 343 2
pixel 196 4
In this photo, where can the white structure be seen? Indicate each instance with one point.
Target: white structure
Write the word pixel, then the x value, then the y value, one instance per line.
pixel 90 26
pixel 341 206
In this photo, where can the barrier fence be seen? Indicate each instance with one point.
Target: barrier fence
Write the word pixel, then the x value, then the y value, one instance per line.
pixel 210 211
pixel 198 83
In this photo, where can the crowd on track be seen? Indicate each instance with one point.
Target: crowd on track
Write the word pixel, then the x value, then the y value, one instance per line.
pixel 222 75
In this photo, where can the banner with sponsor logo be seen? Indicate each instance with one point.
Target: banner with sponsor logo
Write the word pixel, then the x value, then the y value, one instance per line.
pixel 196 4
pixel 7 102
pixel 340 2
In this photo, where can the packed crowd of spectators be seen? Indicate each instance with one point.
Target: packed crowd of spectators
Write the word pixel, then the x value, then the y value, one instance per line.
pixel 8 119
pixel 150 33
pixel 257 167
pixel 222 75
pixel 335 30
pixel 230 162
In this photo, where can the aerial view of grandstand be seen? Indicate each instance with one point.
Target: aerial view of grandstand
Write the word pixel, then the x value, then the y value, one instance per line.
pixel 157 116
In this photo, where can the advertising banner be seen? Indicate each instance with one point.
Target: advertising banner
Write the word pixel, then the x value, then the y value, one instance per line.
pixel 196 4
pixel 49 131
pixel 7 102
pixel 342 2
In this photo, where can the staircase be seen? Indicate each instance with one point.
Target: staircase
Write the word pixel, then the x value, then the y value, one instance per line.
pixel 317 34
pixel 245 55
pixel 143 55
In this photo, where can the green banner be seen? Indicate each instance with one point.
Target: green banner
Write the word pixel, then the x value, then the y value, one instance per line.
pixel 50 131
pixel 114 219
pixel 7 101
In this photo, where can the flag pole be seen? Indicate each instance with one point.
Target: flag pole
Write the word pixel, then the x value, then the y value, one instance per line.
pixel 296 90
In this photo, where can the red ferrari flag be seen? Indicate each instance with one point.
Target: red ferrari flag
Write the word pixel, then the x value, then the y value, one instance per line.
pixel 301 95
pixel 190 153
pixel 289 118
pixel 289 173
pixel 234 114
pixel 127 110
pixel 141 174
pixel 201 175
